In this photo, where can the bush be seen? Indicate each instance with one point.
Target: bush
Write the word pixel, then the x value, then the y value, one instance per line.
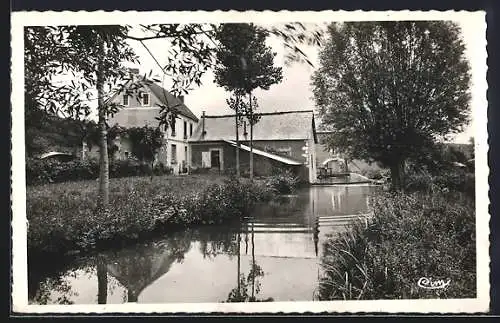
pixel 376 174
pixel 64 217
pixel 409 237
pixel 50 171
pixel 161 169
pixel 457 180
pixel 199 170
pixel 283 181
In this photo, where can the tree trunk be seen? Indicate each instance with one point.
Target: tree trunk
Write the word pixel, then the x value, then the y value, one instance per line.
pixel 132 297
pixel 237 144
pixel 239 264
pixel 251 151
pixel 251 137
pixel 253 263
pixel 102 281
pixel 397 175
pixel 151 171
pixel 103 142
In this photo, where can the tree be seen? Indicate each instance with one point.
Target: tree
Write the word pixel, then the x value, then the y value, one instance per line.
pixel 249 110
pixel 390 90
pixel 236 103
pixel 245 63
pixel 92 136
pixel 146 142
pixel 93 56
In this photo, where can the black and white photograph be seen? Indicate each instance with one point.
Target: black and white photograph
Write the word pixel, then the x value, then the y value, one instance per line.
pixel 239 162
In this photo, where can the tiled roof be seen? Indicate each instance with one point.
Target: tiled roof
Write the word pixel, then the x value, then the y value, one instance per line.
pixel 286 125
pixel 169 99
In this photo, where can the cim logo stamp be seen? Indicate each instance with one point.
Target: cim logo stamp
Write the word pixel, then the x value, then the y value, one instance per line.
pixel 429 283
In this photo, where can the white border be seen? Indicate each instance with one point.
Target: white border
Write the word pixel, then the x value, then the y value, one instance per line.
pixel 19 270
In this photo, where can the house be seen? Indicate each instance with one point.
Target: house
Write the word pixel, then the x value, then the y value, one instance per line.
pixel 142 110
pixel 284 140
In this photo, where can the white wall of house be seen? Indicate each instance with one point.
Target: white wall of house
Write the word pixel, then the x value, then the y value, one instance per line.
pixel 177 147
pixel 175 152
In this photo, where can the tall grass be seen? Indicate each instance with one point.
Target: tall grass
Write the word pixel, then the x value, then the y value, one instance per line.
pixel 64 217
pixel 410 236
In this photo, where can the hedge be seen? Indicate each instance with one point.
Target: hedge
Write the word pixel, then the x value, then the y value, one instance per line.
pixel 51 171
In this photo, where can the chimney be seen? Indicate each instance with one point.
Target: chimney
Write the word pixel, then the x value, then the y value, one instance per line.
pixel 203 132
pixel 244 128
pixel 133 73
pixel 181 98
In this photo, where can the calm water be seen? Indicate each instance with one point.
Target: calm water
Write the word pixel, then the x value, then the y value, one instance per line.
pixel 274 254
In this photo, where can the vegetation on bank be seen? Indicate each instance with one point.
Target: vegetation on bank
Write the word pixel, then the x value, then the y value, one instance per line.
pixel 428 232
pixel 52 171
pixel 65 218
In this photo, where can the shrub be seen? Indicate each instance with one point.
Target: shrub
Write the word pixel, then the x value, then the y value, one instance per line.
pixel 64 217
pixel 457 180
pixel 376 174
pixel 199 170
pixel 283 181
pixel 409 237
pixel 162 169
pixel 50 171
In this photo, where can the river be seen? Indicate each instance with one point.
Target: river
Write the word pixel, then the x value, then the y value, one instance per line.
pixel 274 255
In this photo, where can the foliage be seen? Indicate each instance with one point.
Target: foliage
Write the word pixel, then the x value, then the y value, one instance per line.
pixel 442 158
pixel 146 142
pixel 64 217
pixel 409 237
pixel 92 136
pixel 50 171
pixel 236 103
pixel 391 89
pixel 458 180
pixel 377 174
pixel 46 132
pixel 244 62
pixel 52 52
pixel 93 55
pixel 283 181
pixel 241 293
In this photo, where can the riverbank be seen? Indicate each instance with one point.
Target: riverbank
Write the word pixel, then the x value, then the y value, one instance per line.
pixel 414 238
pixel 63 218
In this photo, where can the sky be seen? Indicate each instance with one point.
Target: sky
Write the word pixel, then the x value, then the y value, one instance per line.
pixel 295 91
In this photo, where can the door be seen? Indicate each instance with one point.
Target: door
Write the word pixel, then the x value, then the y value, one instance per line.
pixel 215 159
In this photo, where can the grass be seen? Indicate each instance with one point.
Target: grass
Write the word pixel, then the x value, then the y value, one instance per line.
pixel 64 217
pixel 427 233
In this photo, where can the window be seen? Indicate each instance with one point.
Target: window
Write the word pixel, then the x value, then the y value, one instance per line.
pixel 172 125
pixel 285 151
pixel 185 130
pixel 186 153
pixel 145 98
pixel 190 129
pixel 125 100
pixel 174 154
pixel 126 154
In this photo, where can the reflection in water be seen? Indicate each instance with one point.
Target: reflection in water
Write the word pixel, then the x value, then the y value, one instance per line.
pixel 240 293
pixel 274 252
pixel 102 280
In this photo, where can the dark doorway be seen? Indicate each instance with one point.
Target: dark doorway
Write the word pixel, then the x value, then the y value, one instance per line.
pixel 215 159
